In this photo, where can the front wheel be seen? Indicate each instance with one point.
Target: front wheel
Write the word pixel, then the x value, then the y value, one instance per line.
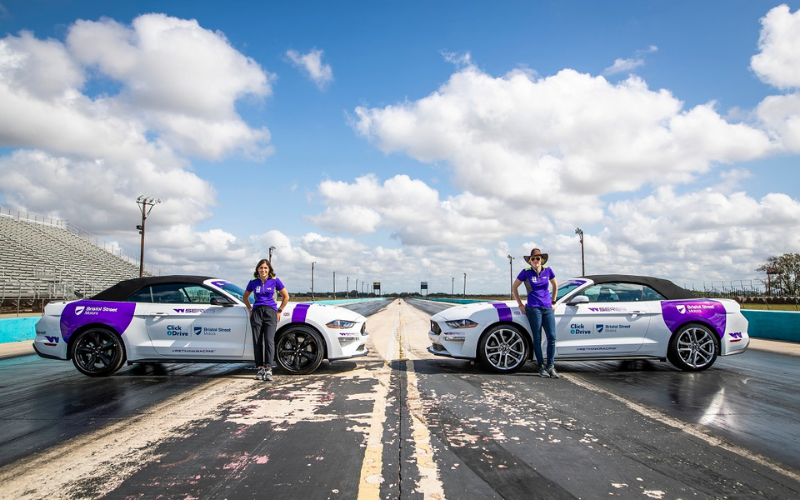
pixel 693 348
pixel 97 352
pixel 299 350
pixel 503 349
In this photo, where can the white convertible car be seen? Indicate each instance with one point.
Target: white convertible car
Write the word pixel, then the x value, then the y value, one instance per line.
pixel 599 318
pixel 173 319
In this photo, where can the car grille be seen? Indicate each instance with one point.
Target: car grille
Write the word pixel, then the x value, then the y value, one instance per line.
pixel 435 328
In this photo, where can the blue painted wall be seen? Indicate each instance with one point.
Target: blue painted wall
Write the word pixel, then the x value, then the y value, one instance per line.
pixel 18 329
pixel 776 325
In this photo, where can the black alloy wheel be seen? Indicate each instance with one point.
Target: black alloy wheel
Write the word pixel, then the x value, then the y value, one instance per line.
pixel 97 352
pixel 299 350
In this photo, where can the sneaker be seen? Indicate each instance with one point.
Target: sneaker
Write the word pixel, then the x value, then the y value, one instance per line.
pixel 543 372
pixel 268 376
pixel 260 374
pixel 552 372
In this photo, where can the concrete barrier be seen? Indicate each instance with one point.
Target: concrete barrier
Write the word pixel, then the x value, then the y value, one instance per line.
pixel 775 325
pixel 18 329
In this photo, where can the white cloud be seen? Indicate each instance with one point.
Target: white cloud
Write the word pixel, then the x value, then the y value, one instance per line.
pixel 415 214
pixel 778 63
pixel 573 134
pixel 623 66
pixel 628 65
pixel 86 158
pixel 311 63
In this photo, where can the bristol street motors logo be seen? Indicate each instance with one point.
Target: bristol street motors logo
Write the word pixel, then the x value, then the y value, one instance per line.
pixel 599 328
pixel 79 310
pixel 682 309
pixel 198 330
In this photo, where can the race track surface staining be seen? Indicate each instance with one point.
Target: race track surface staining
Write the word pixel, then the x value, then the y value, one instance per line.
pixel 400 424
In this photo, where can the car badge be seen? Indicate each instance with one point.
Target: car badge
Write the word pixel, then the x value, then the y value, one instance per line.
pixel 79 310
pixel 682 309
pixel 198 330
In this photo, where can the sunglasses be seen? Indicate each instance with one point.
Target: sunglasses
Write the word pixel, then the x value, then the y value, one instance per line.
pixel 536 258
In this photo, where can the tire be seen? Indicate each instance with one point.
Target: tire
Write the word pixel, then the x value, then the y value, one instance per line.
pixel 97 352
pixel 299 350
pixel 503 349
pixel 693 348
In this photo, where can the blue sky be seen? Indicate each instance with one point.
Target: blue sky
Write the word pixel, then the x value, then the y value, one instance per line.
pixel 410 141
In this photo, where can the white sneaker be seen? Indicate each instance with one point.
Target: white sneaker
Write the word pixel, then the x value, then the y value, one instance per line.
pixel 552 372
pixel 260 374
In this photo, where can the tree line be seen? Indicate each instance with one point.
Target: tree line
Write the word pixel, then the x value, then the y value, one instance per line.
pixel 782 274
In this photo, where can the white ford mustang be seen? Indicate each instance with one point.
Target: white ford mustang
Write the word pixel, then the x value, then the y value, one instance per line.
pixel 599 318
pixel 169 319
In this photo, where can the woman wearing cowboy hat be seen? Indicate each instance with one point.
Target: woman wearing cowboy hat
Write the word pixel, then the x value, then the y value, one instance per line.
pixel 542 289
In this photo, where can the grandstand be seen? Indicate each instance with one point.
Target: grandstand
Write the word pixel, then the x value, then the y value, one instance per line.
pixel 43 259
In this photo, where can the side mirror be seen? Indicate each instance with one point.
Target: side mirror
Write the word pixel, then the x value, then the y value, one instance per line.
pixel 216 301
pixel 579 299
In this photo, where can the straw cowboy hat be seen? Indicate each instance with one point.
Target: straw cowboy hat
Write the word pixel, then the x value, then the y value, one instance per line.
pixel 536 253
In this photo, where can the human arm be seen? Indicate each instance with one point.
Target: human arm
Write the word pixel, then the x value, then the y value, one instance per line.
pixel 554 287
pixel 515 294
pixel 284 300
pixel 246 300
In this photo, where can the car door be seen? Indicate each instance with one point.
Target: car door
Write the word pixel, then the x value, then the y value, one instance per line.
pixel 614 321
pixel 182 323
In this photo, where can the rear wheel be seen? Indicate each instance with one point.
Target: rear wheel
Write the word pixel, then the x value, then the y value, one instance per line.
pixel 503 349
pixel 299 350
pixel 693 348
pixel 97 352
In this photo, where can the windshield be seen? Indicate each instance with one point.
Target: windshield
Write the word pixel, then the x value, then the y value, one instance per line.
pixel 232 289
pixel 567 287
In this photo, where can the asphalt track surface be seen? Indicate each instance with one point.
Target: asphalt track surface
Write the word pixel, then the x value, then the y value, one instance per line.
pixel 401 423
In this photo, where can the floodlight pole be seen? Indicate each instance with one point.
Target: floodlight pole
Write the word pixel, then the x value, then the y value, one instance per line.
pixel 579 232
pixel 312 281
pixel 511 272
pixel 465 285
pixel 146 204
pixel 270 256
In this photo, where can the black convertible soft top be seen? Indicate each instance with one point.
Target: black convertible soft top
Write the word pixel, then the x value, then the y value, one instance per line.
pixel 124 289
pixel 668 289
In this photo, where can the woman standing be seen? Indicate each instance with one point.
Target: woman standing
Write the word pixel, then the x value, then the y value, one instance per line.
pixel 541 283
pixel 264 315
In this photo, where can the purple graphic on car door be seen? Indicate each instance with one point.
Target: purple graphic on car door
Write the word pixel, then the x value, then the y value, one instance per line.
pixel 117 315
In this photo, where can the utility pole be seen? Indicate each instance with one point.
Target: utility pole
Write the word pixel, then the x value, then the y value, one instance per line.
pixel 146 204
pixel 465 285
pixel 312 281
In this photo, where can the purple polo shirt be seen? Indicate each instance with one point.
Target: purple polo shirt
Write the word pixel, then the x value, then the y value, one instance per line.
pixel 265 292
pixel 539 295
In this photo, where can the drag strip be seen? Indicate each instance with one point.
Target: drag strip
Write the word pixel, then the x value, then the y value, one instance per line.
pixel 399 423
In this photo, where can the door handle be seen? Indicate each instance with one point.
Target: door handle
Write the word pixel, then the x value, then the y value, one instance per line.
pixel 158 314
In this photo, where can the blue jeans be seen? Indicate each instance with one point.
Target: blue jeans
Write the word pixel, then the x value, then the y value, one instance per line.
pixel 540 317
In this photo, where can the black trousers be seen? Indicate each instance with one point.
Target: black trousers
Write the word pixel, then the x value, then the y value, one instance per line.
pixel 263 321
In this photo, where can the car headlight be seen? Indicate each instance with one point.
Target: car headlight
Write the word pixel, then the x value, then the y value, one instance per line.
pixel 341 324
pixel 461 323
